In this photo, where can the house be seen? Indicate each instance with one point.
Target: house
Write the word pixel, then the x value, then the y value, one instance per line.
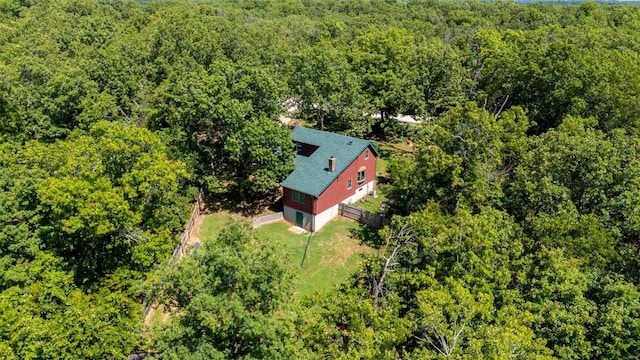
pixel 329 169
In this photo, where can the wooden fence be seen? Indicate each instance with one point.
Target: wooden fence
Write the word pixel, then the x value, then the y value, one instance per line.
pixel 186 234
pixel 181 248
pixel 361 215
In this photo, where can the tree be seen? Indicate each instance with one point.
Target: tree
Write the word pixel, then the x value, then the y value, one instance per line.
pixel 453 278
pixel 463 159
pixel 345 324
pixel 436 68
pixel 617 322
pixel 226 300
pixel 329 90
pixel 195 111
pixel 207 116
pixel 100 194
pixel 48 317
pixel 555 290
pixel 261 151
pixel 379 57
pixel 579 168
pixel 445 316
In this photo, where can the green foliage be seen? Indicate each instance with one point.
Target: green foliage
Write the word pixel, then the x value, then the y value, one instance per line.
pixel 520 204
pixel 555 289
pixel 579 168
pixel 437 71
pixel 346 325
pixel 96 194
pixel 48 317
pixel 227 299
pixel 329 89
pixel 100 203
pixel 617 324
pixel 196 111
pixel 217 120
pixel 463 159
pixel 378 58
pixel 262 155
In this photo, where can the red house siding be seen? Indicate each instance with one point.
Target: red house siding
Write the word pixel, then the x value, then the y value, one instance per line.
pixel 288 201
pixel 337 191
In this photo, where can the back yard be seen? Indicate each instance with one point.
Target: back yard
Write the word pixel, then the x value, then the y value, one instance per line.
pixel 332 255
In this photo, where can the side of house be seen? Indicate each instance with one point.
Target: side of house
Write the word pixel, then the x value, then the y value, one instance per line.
pixel 330 169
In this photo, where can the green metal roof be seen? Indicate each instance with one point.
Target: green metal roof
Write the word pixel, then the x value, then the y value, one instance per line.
pixel 311 175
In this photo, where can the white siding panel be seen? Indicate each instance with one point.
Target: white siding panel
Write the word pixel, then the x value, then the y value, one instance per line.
pixel 324 217
pixel 360 192
pixel 290 215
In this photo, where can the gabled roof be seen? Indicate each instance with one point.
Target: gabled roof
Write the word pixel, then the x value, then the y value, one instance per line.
pixel 311 175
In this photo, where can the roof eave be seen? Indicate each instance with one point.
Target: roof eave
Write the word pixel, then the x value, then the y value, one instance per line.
pixel 298 190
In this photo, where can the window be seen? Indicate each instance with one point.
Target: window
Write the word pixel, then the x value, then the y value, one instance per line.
pixel 366 154
pixel 298 197
pixel 349 184
pixel 298 147
pixel 361 176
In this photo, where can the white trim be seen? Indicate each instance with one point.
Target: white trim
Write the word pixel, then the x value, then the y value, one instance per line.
pixel 364 176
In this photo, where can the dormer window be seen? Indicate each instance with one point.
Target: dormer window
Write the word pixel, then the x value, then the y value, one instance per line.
pixel 305 149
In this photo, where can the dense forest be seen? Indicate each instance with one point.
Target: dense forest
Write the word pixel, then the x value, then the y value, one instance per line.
pixel 515 227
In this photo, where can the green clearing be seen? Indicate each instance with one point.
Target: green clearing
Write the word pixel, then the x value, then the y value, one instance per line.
pixel 212 224
pixel 381 167
pixel 395 147
pixel 373 203
pixel 332 256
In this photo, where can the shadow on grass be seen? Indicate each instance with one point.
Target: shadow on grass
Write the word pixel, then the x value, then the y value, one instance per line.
pixel 367 236
pixel 233 203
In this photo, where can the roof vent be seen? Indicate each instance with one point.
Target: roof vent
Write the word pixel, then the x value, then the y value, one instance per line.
pixel 332 164
pixel 350 142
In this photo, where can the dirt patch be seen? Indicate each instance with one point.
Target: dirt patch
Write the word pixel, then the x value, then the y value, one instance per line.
pixel 194 237
pixel 149 316
pixel 342 248
pixel 356 248
pixel 195 232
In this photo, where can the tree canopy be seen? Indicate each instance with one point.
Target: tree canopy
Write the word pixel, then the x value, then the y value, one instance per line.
pixel 515 216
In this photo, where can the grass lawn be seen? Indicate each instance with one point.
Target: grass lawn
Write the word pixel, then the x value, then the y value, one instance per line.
pixel 212 224
pixel 333 254
pixel 381 167
pixel 372 204
pixel 395 148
